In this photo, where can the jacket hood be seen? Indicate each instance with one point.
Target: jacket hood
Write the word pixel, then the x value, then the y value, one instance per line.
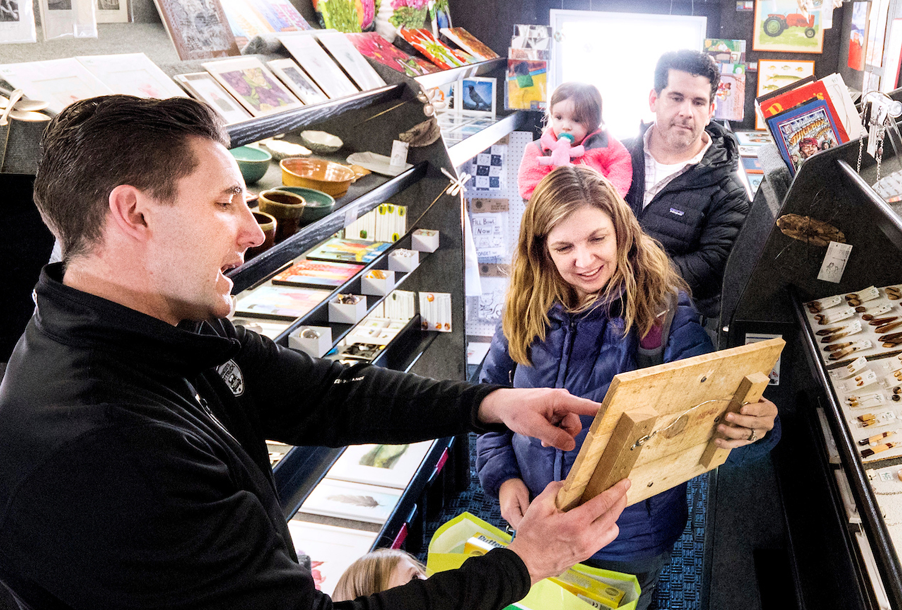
pixel 77 318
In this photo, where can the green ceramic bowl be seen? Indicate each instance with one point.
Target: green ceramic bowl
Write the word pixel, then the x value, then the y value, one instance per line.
pixel 253 162
pixel 319 204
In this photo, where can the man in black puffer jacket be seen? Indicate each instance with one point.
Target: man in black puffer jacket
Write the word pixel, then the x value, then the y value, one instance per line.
pixel 686 190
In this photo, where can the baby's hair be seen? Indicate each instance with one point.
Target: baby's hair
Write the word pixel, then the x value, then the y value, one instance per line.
pixel 371 574
pixel 586 103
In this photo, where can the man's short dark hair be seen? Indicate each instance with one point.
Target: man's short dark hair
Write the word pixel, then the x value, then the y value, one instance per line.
pixel 695 63
pixel 100 143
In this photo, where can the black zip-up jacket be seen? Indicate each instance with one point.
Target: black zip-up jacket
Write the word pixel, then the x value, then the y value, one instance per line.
pixel 134 472
pixel 697 215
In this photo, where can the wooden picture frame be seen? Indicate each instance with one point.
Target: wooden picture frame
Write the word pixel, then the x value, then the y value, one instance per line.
pixel 779 26
pixel 199 29
pixel 657 425
pixel 775 74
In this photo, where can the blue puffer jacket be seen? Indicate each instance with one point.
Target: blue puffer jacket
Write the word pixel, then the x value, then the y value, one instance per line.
pixel 582 353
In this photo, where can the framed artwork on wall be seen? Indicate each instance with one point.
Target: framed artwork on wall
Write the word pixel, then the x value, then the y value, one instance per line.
pixel 776 73
pixel 781 26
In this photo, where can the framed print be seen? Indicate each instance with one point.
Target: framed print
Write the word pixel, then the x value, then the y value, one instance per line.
pixel 59 82
pixel 297 80
pixel 375 47
pixel 17 22
pixel 278 302
pixel 198 28
pixel 805 130
pixel 202 86
pixel 331 549
pixel 112 11
pixel 316 274
pixel 386 465
pixel 349 58
pixel 253 85
pixel 344 250
pixel 317 63
pixel 780 26
pixel 131 74
pixel 355 501
pixel 774 74
pixel 476 96
pixel 755 181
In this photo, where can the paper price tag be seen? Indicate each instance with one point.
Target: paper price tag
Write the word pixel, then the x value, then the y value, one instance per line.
pixel 834 262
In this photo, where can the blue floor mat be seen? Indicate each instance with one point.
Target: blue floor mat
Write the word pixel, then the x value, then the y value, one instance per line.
pixel 680 585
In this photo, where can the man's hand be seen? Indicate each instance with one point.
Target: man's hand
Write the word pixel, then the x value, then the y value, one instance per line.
pixel 550 541
pixel 550 415
pixel 749 425
pixel 513 496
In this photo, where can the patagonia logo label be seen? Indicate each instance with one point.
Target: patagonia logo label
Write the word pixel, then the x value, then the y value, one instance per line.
pixel 677 212
pixel 233 377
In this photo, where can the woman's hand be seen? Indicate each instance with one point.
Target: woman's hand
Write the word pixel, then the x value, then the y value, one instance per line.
pixel 514 499
pixel 749 425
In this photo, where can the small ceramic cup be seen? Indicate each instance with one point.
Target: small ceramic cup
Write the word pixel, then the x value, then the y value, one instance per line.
pixel 268 224
pixel 286 207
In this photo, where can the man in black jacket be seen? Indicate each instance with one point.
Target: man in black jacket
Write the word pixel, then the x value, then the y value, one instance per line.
pixel 686 190
pixel 133 417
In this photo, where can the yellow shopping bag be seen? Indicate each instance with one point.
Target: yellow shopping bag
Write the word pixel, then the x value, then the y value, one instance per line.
pixel 446 552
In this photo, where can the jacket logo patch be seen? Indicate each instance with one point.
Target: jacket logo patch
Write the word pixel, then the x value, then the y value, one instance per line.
pixel 677 212
pixel 233 377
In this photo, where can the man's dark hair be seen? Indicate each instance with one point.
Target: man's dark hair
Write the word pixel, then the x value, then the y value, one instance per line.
pixel 97 144
pixel 695 63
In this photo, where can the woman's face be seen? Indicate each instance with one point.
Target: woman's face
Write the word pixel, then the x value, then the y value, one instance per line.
pixel 583 248
pixel 403 573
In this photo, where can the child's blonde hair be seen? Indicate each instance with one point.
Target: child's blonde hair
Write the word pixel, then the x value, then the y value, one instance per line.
pixel 372 573
pixel 586 100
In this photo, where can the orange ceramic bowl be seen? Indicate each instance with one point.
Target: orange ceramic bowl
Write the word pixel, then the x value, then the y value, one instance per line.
pixel 319 174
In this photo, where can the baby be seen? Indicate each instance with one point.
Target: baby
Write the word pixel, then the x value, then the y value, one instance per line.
pixel 575 134
pixel 377 571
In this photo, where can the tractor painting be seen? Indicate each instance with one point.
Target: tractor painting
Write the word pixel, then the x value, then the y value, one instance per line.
pixel 776 24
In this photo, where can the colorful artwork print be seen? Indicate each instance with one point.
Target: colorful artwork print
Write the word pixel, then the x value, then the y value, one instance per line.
pixel 469 43
pixel 858 35
pixel 317 273
pixel 802 132
pixel 348 250
pixel 730 97
pixel 725 51
pixel 786 25
pixel 527 84
pixel 408 13
pixel 374 46
pixel 346 15
pixel 438 53
pixel 477 96
pixel 281 303
pixel 257 89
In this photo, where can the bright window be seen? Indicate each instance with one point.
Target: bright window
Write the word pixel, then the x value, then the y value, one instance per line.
pixel 617 52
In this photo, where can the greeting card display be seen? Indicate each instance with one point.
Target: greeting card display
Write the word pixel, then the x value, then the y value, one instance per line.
pixel 348 250
pixel 297 80
pixel 375 47
pixel 317 274
pixel 252 84
pixel 131 74
pixel 435 51
pixel 469 43
pixel 804 131
pixel 316 62
pixel 387 465
pixel 204 87
pixel 198 29
pixel 279 302
pixel 349 58
pixel 527 84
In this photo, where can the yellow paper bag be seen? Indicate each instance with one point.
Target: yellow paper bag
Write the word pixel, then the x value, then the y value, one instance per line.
pixel 446 552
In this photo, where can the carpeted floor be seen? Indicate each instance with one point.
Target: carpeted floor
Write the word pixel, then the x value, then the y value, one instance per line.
pixel 681 581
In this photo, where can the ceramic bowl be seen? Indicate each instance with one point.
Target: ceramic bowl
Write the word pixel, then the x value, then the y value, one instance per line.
pixel 319 204
pixel 252 162
pixel 318 174
pixel 321 142
pixel 267 224
pixel 287 209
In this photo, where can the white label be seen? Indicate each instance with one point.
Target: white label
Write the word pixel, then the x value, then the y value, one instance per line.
pixel 839 314
pixel 827 303
pixel 856 366
pixel 860 381
pixel 877 311
pixel 398 153
pixel 834 262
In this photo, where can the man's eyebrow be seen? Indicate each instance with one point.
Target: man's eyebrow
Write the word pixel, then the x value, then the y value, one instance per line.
pixel 235 189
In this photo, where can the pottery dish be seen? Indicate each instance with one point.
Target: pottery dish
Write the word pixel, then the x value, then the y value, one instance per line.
pixel 319 204
pixel 252 162
pixel 319 174
pixel 321 142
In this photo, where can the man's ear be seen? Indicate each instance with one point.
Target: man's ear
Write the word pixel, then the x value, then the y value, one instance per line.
pixel 711 110
pixel 127 211
pixel 652 98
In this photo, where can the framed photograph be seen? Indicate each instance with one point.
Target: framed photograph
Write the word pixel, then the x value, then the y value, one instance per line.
pixel 803 131
pixel 297 80
pixel 131 74
pixel 780 26
pixel 317 63
pixel 112 11
pixel 199 29
pixel 476 96
pixel 278 302
pixel 59 82
pixel 375 47
pixel 17 22
pixel 202 86
pixel 386 465
pixel 343 250
pixel 331 549
pixel 349 58
pixel 317 274
pixel 355 501
pixel 253 85
pixel 774 74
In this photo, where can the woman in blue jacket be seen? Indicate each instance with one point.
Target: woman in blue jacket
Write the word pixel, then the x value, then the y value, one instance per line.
pixel 592 296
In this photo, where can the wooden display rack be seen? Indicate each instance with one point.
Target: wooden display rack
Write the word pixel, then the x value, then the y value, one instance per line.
pixel 657 426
